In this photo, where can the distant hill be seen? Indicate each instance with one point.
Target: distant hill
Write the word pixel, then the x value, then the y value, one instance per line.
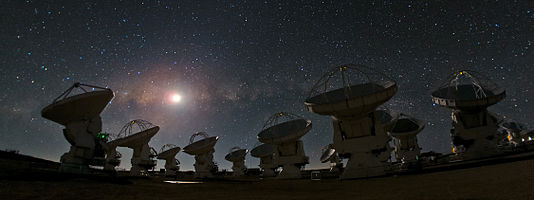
pixel 12 161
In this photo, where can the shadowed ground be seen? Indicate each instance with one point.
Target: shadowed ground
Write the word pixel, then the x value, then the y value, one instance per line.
pixel 503 181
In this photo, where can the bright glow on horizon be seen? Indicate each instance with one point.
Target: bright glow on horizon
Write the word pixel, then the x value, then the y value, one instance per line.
pixel 176 98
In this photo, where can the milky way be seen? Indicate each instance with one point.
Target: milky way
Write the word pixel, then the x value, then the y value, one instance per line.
pixel 237 62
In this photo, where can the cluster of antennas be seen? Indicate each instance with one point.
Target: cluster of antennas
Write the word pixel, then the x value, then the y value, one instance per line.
pixel 516 134
pixel 350 93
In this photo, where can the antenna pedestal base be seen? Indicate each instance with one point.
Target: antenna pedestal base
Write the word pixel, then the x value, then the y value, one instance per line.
pixel 291 157
pixel 336 167
pixel 171 167
pixel 362 165
pixel 141 166
pixel 141 161
pixel 111 164
pixel 112 160
pixel 239 168
pixel 289 172
pixel 365 141
pixel 407 155
pixel 268 173
pixel 475 134
pixel 82 136
pixel 268 168
pixel 204 165
pixel 291 166
pixel 76 160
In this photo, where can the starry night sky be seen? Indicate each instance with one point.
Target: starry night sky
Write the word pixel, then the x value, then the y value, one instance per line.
pixel 237 62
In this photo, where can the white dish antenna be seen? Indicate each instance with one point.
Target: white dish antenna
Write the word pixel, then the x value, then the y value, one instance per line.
pixel 80 114
pixel 329 155
pixel 263 150
pixel 127 138
pixel 475 133
pixel 467 89
pixel 285 130
pixel 168 153
pixel 237 157
pixel 236 154
pixel 87 105
pixel 203 151
pixel 277 131
pixel 406 126
pixel 201 146
pixel 135 135
pixel 404 132
pixel 350 94
pixel 268 158
pixel 337 93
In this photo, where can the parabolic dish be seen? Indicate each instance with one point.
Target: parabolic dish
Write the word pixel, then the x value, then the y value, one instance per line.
pixel 468 90
pixel 201 146
pixel 78 107
pixel 406 126
pixel 285 132
pixel 236 155
pixel 263 150
pixel 464 96
pixel 325 157
pixel 132 140
pixel 361 98
pixel 169 153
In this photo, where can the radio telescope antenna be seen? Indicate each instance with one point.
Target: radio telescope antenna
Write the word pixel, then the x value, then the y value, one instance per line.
pixel 203 150
pixel 285 130
pixel 80 114
pixel 468 94
pixel 268 158
pixel 329 155
pixel 236 155
pixel 404 132
pixel 135 135
pixel 168 153
pixel 350 94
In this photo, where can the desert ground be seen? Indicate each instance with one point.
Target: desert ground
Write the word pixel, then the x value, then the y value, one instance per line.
pixel 513 180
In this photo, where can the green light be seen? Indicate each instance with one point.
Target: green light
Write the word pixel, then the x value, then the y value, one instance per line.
pixel 101 135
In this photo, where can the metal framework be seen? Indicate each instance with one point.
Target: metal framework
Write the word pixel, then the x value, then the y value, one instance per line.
pixel 481 84
pixel 192 138
pixel 130 127
pixel 166 147
pixel 321 87
pixel 279 118
pixel 79 86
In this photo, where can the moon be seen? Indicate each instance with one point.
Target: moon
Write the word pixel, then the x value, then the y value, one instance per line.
pixel 176 98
